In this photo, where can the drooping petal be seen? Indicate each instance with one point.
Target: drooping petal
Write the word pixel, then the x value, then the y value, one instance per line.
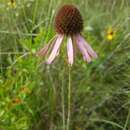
pixel 83 49
pixel 44 50
pixel 70 51
pixel 55 49
pixel 90 51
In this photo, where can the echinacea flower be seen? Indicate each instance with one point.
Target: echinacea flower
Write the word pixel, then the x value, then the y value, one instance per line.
pixel 12 3
pixel 69 24
pixel 110 34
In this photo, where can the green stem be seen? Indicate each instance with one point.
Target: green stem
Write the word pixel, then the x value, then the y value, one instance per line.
pixel 34 14
pixel 63 103
pixel 108 122
pixel 69 100
pixel 127 120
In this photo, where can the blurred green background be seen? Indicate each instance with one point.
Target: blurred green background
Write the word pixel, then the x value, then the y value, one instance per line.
pixel 33 96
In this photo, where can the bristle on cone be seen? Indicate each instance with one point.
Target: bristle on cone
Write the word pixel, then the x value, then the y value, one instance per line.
pixel 68 20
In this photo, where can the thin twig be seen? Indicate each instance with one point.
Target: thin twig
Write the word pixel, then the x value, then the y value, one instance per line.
pixel 108 122
pixel 127 119
pixel 20 57
pixel 16 33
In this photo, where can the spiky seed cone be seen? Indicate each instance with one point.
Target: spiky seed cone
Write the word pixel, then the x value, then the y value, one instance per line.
pixel 68 20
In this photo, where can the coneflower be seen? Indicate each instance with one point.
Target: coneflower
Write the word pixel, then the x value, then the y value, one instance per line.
pixel 12 3
pixel 110 34
pixel 68 23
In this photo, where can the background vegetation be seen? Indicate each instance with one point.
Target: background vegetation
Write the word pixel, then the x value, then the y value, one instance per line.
pixel 33 96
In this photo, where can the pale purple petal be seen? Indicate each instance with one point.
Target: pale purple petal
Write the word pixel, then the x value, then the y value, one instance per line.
pixel 55 49
pixel 83 49
pixel 44 50
pixel 58 52
pixel 70 51
pixel 91 52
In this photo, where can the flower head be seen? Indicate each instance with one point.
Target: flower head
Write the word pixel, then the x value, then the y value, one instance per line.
pixel 110 34
pixel 12 3
pixel 68 23
pixel 68 20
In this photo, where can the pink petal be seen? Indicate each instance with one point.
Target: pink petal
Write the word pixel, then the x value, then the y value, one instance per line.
pixel 91 52
pixel 44 50
pixel 83 49
pixel 55 49
pixel 70 51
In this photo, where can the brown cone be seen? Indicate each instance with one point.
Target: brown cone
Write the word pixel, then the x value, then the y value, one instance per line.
pixel 68 20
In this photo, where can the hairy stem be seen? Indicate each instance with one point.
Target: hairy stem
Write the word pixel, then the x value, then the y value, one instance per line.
pixel 63 107
pixel 69 100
